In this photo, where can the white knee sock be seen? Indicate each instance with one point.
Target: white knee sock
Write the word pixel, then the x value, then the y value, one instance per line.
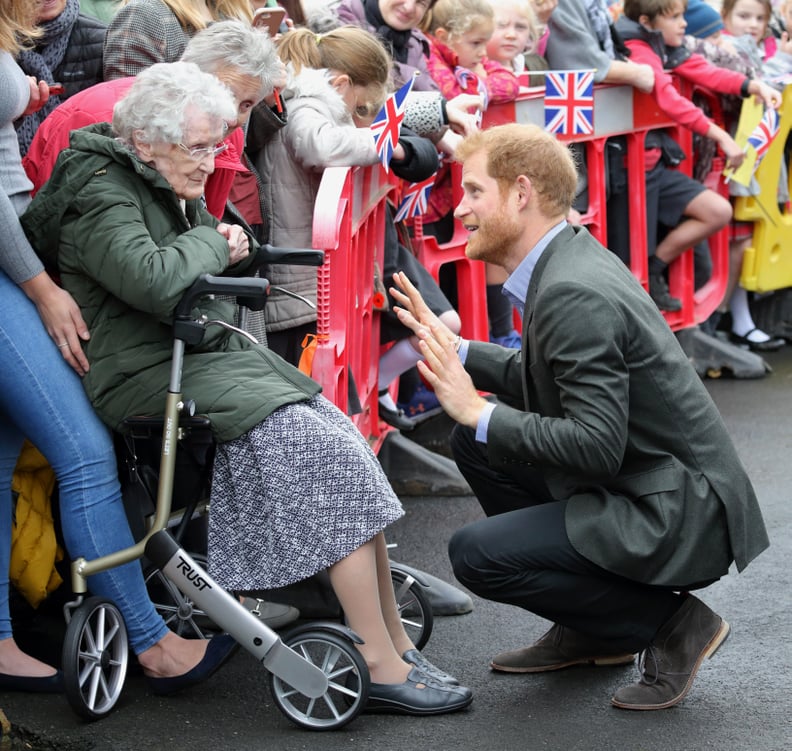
pixel 742 321
pixel 398 359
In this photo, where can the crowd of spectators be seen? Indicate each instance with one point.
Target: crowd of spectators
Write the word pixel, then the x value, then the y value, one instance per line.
pixel 477 48
pixel 69 63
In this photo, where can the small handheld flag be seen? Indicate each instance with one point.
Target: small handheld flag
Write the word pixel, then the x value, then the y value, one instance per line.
pixel 387 124
pixel 466 78
pixel 764 133
pixel 415 199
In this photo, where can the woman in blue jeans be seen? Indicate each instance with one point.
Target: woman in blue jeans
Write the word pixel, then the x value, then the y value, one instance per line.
pixel 42 399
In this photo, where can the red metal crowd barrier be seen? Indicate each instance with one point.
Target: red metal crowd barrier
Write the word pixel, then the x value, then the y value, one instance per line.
pixel 624 111
pixel 349 225
pixel 349 217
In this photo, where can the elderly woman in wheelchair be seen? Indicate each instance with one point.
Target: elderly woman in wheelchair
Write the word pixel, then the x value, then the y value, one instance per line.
pixel 295 487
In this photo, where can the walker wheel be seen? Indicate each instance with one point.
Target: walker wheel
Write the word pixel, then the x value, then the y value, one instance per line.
pixel 180 613
pixel 414 606
pixel 95 654
pixel 348 682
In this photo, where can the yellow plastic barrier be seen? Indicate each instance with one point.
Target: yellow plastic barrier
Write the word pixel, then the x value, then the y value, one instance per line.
pixel 767 263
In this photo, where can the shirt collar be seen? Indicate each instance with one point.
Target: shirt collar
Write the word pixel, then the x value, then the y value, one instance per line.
pixel 516 286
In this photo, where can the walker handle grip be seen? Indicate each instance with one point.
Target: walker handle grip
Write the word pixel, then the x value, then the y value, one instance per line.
pixel 207 284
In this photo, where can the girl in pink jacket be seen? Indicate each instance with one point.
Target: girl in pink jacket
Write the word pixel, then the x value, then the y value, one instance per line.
pixel 458 32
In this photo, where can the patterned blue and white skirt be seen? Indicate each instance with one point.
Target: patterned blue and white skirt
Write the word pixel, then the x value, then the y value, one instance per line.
pixel 296 493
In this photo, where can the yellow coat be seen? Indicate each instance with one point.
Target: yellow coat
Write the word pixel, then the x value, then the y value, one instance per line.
pixel 34 548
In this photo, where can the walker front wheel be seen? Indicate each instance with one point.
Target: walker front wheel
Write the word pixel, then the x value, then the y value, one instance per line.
pixel 95 656
pixel 348 682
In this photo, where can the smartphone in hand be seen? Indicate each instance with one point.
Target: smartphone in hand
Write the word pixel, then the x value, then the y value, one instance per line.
pixel 55 89
pixel 270 19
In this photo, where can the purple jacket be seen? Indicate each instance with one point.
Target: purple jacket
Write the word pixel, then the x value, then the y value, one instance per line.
pixel 353 12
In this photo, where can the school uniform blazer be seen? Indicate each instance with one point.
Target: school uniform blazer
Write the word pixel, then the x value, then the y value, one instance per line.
pixel 605 403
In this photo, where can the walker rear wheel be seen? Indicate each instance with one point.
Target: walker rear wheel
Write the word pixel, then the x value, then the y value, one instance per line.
pixel 95 655
pixel 348 682
pixel 414 606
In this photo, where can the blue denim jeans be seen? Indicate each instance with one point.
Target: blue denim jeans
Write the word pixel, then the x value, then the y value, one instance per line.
pixel 42 399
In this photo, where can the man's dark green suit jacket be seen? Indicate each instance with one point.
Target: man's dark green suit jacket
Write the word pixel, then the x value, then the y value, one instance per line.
pixel 607 405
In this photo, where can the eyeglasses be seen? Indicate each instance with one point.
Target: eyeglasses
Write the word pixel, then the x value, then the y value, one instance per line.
pixel 199 153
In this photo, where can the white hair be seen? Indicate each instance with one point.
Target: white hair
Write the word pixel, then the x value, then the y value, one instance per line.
pixel 156 106
pixel 234 44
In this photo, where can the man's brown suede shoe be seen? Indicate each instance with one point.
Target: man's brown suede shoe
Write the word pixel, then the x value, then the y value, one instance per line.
pixel 669 665
pixel 559 648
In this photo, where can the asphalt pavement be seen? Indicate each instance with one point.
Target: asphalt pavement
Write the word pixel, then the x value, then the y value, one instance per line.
pixel 741 699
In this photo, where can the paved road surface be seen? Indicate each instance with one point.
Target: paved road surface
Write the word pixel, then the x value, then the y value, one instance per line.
pixel 742 698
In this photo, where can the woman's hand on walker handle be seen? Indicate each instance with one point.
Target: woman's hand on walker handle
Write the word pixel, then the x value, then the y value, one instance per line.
pixel 238 243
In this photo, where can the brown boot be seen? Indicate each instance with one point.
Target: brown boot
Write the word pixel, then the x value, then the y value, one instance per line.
pixel 559 648
pixel 668 666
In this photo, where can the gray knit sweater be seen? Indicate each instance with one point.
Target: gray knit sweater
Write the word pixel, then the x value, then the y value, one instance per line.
pixel 17 258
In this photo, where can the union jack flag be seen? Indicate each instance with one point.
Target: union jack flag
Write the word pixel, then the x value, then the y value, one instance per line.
pixel 569 102
pixel 416 199
pixel 764 133
pixel 387 124
pixel 465 78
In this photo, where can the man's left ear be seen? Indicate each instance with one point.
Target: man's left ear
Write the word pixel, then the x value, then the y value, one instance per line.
pixel 523 191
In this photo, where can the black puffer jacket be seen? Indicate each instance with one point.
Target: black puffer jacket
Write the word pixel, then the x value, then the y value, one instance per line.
pixel 80 67
pixel 671 56
pixel 82 64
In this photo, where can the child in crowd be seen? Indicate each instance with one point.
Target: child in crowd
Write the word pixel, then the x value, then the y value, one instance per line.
pixel 750 18
pixel 747 23
pixel 458 32
pixel 746 28
pixel 703 21
pixel 515 42
pixel 654 32
pixel 704 36
pixel 339 82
